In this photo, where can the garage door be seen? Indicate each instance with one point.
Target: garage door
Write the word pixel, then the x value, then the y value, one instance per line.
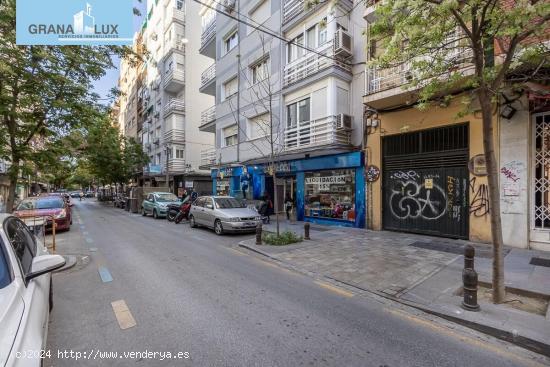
pixel 425 182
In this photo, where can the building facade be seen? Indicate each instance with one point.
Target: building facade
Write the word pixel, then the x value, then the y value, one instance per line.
pixel 167 106
pixel 430 167
pixel 289 79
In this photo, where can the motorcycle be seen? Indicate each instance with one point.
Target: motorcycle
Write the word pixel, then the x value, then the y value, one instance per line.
pixel 184 212
pixel 173 210
pixel 178 211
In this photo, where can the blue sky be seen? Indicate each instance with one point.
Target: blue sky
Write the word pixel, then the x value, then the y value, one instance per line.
pixel 109 80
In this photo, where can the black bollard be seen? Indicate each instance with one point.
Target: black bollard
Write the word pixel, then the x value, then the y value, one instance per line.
pixel 259 234
pixel 469 280
pixel 469 253
pixel 306 231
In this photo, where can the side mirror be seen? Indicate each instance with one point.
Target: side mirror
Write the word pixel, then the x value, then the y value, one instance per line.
pixel 45 264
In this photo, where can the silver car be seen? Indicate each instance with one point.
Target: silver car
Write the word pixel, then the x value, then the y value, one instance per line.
pixel 223 214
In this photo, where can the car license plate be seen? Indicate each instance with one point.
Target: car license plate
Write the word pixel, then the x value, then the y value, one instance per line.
pixel 250 224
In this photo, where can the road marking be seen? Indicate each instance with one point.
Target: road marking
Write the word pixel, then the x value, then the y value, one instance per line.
pixel 334 289
pixel 123 315
pixel 89 240
pixel 104 274
pixel 469 340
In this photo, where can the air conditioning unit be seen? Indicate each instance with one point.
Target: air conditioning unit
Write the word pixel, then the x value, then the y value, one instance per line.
pixel 344 121
pixel 342 43
pixel 228 5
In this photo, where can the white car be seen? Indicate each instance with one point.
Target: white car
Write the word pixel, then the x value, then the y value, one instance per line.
pixel 25 293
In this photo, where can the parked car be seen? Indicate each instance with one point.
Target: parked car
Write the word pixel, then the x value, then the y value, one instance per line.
pixel 156 204
pixel 25 293
pixel 75 194
pixel 53 206
pixel 223 214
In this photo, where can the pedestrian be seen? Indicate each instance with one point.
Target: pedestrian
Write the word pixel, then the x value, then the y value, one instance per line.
pixel 288 205
pixel 266 207
pixel 80 195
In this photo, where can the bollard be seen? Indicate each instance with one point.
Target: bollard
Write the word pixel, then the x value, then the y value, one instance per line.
pixel 469 253
pixel 306 231
pixel 469 279
pixel 259 234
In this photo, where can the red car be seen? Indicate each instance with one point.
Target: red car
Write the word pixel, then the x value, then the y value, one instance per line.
pixel 54 206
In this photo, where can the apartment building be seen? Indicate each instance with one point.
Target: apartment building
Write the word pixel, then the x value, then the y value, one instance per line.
pixel 168 107
pixel 428 167
pixel 290 93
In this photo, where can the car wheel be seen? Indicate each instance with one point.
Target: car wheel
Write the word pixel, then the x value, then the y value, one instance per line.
pixel 143 212
pixel 155 216
pixel 50 297
pixel 192 223
pixel 218 227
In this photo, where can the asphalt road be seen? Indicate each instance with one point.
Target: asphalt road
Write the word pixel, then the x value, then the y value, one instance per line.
pixel 190 291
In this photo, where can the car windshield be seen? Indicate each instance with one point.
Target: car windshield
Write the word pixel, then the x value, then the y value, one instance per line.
pixel 47 203
pixel 165 198
pixel 228 203
pixel 4 273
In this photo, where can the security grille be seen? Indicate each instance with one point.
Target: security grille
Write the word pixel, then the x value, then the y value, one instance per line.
pixel 542 171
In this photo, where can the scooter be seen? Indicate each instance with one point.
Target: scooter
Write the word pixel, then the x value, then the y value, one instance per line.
pixel 184 212
pixel 173 210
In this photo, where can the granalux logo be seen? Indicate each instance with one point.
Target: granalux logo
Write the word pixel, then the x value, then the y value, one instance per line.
pixel 74 22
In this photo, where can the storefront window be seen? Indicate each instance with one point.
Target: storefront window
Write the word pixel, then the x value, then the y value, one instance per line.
pixel 222 187
pixel 330 194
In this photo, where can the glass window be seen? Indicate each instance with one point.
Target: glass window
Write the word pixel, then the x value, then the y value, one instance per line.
pixel 330 194
pixel 231 42
pixel 230 88
pixel 208 202
pixel 5 277
pixel 298 112
pixel 258 127
pixel 322 32
pixel 165 198
pixel 22 242
pixel 222 187
pixel 310 37
pixel 260 14
pixel 199 202
pixel 228 203
pixel 230 135
pixel 260 71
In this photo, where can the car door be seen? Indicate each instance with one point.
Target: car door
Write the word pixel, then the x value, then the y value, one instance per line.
pixel 208 212
pixel 198 209
pixel 36 291
pixel 148 204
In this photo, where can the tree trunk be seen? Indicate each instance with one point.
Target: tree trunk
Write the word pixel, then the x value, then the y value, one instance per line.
pixel 275 199
pixel 11 194
pixel 494 195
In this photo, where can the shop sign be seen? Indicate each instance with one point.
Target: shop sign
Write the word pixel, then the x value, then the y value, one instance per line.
pixel 155 168
pixel 189 184
pixel 326 180
pixel 282 167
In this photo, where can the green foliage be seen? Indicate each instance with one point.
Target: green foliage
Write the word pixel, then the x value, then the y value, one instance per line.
pixel 285 238
pixel 439 36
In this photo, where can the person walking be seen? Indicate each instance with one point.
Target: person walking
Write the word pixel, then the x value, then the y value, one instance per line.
pixel 288 206
pixel 266 207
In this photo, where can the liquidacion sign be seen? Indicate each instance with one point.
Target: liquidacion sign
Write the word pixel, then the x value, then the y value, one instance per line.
pixel 70 22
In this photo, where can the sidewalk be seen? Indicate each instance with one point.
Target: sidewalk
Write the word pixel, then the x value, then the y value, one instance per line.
pixel 424 272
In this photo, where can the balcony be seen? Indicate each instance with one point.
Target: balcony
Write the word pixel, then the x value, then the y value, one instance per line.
pixel 387 87
pixel 173 80
pixel 208 39
pixel 208 120
pixel 313 63
pixel 208 157
pixel 327 132
pixel 174 105
pixel 296 10
pixel 178 165
pixel 174 15
pixel 174 136
pixel 175 45
pixel 208 81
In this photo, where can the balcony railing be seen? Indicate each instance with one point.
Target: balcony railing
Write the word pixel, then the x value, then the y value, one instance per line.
pixel 208 31
pixel 208 157
pixel 293 8
pixel 321 132
pixel 208 75
pixel 381 79
pixel 312 63
pixel 208 115
pixel 174 135
pixel 173 77
pixel 174 105
pixel 174 15
pixel 175 44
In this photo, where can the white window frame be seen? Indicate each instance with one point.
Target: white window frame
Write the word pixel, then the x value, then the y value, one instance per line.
pixel 263 63
pixel 235 135
pixel 227 41
pixel 226 96
pixel 253 120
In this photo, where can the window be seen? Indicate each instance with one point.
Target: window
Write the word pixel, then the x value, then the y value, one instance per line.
pixel 179 4
pixel 230 135
pixel 322 26
pixel 179 153
pixel 230 42
pixel 230 88
pixel 22 242
pixel 295 48
pixel 260 14
pixel 258 127
pixel 5 276
pixel 298 112
pixel 330 194
pixel 260 71
pixel 311 37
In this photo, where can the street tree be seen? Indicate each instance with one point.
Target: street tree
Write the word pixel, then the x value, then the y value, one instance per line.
pixel 45 92
pixel 259 102
pixel 437 37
